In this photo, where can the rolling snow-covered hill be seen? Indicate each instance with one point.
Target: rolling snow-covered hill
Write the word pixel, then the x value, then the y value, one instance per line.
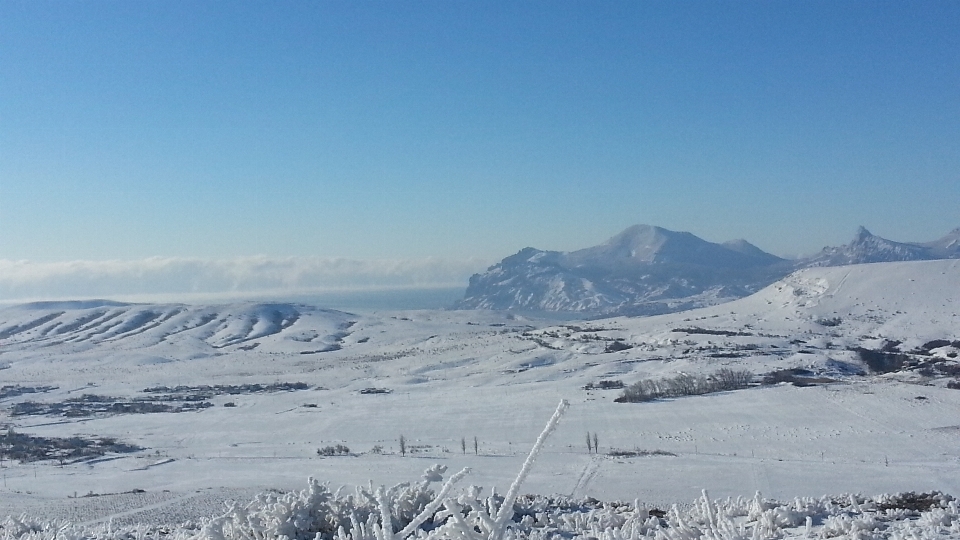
pixel 86 325
pixel 649 270
pixel 219 401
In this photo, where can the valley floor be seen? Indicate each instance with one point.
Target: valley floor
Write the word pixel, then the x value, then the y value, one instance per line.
pixel 783 441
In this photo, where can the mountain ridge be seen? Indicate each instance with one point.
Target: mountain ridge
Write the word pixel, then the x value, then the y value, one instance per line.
pixel 649 270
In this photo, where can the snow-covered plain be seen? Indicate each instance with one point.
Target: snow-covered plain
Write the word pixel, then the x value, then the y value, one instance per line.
pixel 443 378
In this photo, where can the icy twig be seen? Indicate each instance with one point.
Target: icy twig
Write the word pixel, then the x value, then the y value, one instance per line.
pixel 431 508
pixel 506 509
pixel 386 523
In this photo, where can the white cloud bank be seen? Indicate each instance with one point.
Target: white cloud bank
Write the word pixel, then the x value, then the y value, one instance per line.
pixel 25 280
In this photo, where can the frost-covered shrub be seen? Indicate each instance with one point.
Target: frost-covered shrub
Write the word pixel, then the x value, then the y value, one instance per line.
pixel 391 514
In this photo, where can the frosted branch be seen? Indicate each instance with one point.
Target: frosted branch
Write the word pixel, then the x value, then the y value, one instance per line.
pixel 506 509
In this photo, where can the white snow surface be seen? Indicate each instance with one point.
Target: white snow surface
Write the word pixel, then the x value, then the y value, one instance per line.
pixel 452 376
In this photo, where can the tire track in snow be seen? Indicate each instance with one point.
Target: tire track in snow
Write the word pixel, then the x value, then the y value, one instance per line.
pixel 840 285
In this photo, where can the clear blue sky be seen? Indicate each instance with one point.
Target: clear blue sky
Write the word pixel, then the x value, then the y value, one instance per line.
pixel 456 129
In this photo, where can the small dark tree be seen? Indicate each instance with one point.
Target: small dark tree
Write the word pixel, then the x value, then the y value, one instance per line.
pixel 403 446
pixel 589 444
pixel 463 444
pixel 596 444
pixel 476 447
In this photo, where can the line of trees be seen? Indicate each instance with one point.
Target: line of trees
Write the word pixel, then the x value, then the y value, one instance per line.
pixel 685 385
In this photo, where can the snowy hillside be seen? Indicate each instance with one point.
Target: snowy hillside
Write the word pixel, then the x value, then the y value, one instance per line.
pixel 196 405
pixel 649 270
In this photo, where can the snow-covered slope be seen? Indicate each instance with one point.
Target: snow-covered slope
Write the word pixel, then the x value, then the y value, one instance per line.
pixel 275 394
pixel 910 302
pixel 649 270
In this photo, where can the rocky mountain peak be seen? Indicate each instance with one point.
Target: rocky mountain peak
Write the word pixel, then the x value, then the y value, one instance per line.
pixel 862 235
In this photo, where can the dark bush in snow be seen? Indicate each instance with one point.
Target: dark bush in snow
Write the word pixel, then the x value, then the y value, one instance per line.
pixel 337 450
pixel 372 390
pixel 616 346
pixel 638 453
pixel 882 362
pixel 937 343
pixel 16 390
pixel 605 385
pixel 710 332
pixel 27 448
pixel 795 376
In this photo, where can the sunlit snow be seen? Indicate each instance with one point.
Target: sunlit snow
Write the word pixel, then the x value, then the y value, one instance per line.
pixel 442 379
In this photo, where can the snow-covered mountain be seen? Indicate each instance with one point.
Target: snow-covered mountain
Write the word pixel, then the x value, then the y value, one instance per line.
pixel 647 270
pixel 644 270
pixel 869 248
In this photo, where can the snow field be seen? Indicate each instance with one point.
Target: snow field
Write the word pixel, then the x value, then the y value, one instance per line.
pixel 496 377
pixel 784 441
pixel 411 510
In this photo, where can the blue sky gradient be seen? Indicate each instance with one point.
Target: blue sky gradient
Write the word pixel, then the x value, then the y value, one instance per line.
pixel 470 129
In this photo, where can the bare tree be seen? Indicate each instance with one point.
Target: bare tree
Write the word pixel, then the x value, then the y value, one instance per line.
pixel 728 379
pixel 596 444
pixel 589 444
pixel 683 385
pixel 463 444
pixel 476 447
pixel 403 446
